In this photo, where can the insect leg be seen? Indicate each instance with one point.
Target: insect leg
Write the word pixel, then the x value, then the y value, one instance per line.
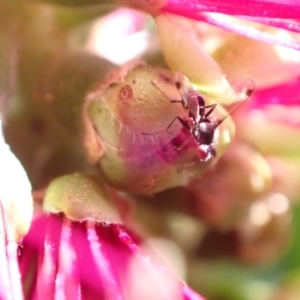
pixel 186 125
pixel 176 101
pixel 212 108
pixel 184 143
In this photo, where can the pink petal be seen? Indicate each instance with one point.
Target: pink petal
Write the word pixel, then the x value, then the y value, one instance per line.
pixel 283 94
pixel 240 7
pixel 86 260
pixel 196 10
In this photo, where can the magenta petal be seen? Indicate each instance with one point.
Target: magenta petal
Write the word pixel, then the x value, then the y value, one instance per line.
pixel 112 288
pixel 286 94
pixel 279 103
pixel 238 28
pixel 241 7
pixel 86 260
pixel 38 257
pixel 67 285
pixel 258 11
pixel 150 265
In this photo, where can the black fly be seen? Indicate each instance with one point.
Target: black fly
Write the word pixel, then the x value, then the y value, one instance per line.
pixel 198 123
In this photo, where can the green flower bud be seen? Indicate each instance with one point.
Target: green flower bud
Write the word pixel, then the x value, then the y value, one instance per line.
pixel 185 53
pixel 81 198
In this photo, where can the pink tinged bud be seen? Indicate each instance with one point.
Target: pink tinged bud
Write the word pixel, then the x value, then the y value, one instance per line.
pixel 260 238
pixel 245 201
pixel 223 195
pixel 143 146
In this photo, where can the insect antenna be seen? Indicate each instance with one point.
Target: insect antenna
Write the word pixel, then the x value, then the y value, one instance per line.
pixel 173 101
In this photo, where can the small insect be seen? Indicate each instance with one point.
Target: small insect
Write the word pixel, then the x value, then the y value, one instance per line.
pixel 198 123
pixel 191 99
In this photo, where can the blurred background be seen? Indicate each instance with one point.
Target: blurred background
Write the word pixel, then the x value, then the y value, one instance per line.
pixel 232 233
